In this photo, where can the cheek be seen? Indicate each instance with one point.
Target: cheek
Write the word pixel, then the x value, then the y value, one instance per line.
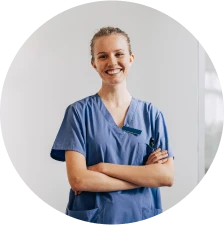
pixel 126 65
pixel 99 67
pixel 126 62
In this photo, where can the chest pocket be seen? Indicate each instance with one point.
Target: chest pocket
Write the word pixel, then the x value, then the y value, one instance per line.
pixel 144 150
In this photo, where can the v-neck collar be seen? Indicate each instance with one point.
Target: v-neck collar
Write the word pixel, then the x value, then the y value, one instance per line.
pixel 128 118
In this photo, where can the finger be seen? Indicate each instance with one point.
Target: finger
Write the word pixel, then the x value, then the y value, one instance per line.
pixel 153 155
pixel 156 151
pixel 164 160
pixel 164 151
pixel 161 161
pixel 158 156
pixel 149 161
pixel 164 155
pixel 77 192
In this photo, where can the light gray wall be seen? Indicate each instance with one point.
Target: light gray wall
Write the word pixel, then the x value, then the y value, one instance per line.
pixel 52 70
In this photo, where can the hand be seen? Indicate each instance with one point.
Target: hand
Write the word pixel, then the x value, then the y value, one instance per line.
pixel 157 156
pixel 77 192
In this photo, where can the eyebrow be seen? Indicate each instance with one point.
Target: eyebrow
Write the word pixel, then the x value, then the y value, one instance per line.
pixel 114 51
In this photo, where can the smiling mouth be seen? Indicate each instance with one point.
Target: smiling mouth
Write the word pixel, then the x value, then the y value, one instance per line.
pixel 113 72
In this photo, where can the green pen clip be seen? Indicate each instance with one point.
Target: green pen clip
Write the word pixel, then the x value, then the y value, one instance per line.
pixel 151 142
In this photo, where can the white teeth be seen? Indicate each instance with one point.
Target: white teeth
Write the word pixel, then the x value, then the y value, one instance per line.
pixel 113 71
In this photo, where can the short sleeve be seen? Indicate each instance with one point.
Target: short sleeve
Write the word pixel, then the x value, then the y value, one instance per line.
pixel 161 134
pixel 71 135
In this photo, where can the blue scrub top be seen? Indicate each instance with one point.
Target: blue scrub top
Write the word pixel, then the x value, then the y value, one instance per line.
pixel 89 128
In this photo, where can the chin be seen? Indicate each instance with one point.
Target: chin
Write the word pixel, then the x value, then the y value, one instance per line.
pixel 116 81
pixel 113 80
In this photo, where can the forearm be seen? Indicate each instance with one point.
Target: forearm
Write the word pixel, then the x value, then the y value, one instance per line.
pixel 99 182
pixel 153 175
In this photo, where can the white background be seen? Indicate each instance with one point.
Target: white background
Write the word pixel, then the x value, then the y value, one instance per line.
pixel 51 69
pixel 214 113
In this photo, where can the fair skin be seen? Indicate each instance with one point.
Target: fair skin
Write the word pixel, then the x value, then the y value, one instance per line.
pixel 112 62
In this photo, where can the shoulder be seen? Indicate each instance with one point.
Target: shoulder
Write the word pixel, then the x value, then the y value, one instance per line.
pixel 148 108
pixel 77 110
pixel 81 104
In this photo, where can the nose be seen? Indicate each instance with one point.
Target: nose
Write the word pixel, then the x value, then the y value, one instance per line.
pixel 112 61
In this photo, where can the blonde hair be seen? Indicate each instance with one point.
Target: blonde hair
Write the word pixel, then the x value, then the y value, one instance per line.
pixel 106 31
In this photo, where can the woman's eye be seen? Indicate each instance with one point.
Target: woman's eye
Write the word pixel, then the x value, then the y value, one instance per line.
pixel 102 57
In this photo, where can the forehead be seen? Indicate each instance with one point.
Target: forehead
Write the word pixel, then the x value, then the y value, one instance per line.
pixel 110 43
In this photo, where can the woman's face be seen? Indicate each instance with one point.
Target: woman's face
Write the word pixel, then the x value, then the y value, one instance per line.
pixel 111 58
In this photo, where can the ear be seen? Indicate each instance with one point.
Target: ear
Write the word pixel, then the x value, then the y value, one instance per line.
pixel 93 65
pixel 132 56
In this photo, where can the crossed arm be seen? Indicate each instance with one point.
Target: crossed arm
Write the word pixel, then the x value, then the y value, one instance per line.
pixel 104 177
pixel 152 175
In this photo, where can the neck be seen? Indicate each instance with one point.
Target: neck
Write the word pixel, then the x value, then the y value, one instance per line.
pixel 116 96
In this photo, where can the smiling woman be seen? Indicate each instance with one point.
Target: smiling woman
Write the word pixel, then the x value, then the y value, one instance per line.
pixel 112 58
pixel 115 146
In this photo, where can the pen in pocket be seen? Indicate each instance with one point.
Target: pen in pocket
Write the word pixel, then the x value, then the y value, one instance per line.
pixel 151 143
